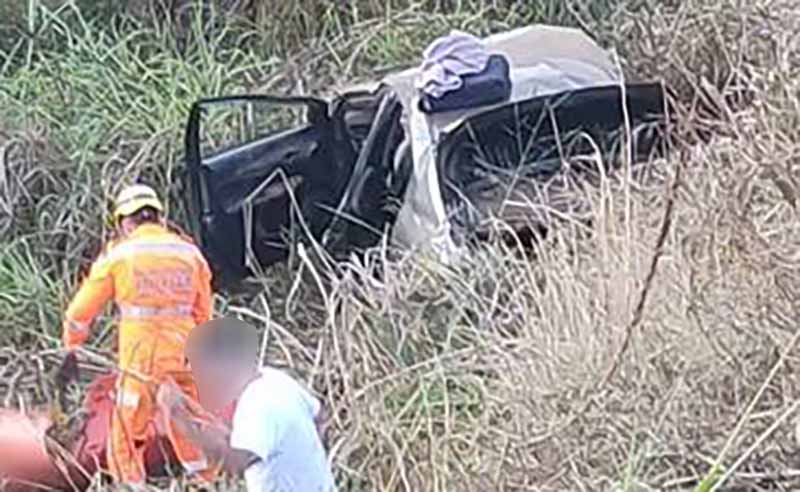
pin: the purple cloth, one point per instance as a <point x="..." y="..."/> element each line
<point x="491" y="86"/>
<point x="449" y="58"/>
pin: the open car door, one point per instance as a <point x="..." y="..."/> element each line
<point x="263" y="172"/>
<point x="266" y="172"/>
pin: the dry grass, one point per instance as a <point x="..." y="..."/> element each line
<point x="505" y="372"/>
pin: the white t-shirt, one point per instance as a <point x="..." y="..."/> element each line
<point x="274" y="419"/>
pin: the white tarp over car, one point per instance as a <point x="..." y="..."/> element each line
<point x="544" y="60"/>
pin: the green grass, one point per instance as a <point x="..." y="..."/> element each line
<point x="30" y="298"/>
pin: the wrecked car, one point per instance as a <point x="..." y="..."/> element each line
<point x="369" y="165"/>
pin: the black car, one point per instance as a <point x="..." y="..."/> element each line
<point x="266" y="172"/>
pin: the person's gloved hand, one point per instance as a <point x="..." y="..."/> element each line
<point x="67" y="371"/>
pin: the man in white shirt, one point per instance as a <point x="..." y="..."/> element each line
<point x="274" y="440"/>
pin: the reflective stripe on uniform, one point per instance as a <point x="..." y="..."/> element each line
<point x="128" y="399"/>
<point x="77" y="327"/>
<point x="154" y="248"/>
<point x="134" y="311"/>
<point x="193" y="467"/>
<point x="126" y="249"/>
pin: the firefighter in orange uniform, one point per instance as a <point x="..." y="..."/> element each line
<point x="161" y="285"/>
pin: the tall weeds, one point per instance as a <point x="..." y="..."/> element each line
<point x="487" y="375"/>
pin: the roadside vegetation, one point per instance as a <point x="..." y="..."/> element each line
<point x="654" y="350"/>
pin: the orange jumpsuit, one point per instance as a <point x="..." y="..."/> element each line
<point x="162" y="287"/>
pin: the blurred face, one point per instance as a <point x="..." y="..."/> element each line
<point x="220" y="380"/>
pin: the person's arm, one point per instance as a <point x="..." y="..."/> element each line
<point x="212" y="439"/>
<point x="95" y="291"/>
<point x="201" y="311"/>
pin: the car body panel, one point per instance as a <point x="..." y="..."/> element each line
<point x="486" y="160"/>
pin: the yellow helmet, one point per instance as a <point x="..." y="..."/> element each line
<point x="134" y="198"/>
